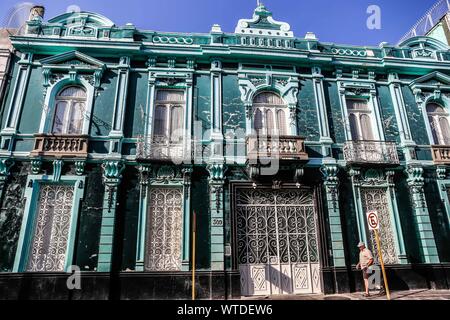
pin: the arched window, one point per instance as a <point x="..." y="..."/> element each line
<point x="168" y="118"/>
<point x="70" y="104"/>
<point x="269" y="114"/>
<point x="360" y="119"/>
<point x="439" y="123"/>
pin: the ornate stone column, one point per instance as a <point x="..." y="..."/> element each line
<point x="408" y="144"/>
<point x="144" y="175"/>
<point x="120" y="102"/>
<point x="216" y="184"/>
<point x="216" y="111"/>
<point x="331" y="183"/>
<point x="16" y="104"/>
<point x="186" y="241"/>
<point x="112" y="175"/>
<point x="324" y="129"/>
<point x="420" y="210"/>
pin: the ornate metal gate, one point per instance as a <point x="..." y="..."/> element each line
<point x="277" y="242"/>
<point x="49" y="244"/>
<point x="164" y="225"/>
<point x="376" y="199"/>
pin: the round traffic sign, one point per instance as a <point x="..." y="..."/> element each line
<point x="372" y="220"/>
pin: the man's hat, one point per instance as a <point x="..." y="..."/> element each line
<point x="361" y="244"/>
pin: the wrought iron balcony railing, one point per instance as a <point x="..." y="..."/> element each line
<point x="371" y="152"/>
<point x="441" y="154"/>
<point x="160" y="148"/>
<point x="60" y="146"/>
<point x="276" y="147"/>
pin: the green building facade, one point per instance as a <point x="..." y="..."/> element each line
<point x="117" y="144"/>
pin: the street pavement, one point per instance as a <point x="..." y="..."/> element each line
<point x="395" y="295"/>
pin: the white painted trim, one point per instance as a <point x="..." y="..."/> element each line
<point x="49" y="106"/>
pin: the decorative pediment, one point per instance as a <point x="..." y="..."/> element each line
<point x="424" y="42"/>
<point x="263" y="23"/>
<point x="424" y="48"/>
<point x="83" y="24"/>
<point x="73" y="59"/>
<point x="433" y="86"/>
<point x="432" y="81"/>
<point x="72" y="63"/>
<point x="82" y="18"/>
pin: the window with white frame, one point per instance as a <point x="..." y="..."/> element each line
<point x="269" y="114"/>
<point x="360" y="120"/>
<point x="70" y="104"/>
<point x="439" y="123"/>
<point x="168" y="117"/>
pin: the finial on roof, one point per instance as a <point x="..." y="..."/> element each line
<point x="263" y="23"/>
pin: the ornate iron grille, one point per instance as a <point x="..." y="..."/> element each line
<point x="165" y="228"/>
<point x="49" y="244"/>
<point x="377" y="152"/>
<point x="376" y="199"/>
<point x="277" y="241"/>
<point x="159" y="148"/>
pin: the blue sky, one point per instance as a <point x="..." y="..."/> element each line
<point x="340" y="21"/>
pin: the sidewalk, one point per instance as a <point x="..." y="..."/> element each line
<point x="396" y="295"/>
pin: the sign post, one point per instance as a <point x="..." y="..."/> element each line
<point x="194" y="231"/>
<point x="374" y="225"/>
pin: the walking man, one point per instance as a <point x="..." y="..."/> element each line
<point x="365" y="261"/>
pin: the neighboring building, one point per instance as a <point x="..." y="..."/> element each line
<point x="294" y="140"/>
<point x="435" y="24"/>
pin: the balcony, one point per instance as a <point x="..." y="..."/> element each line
<point x="441" y="154"/>
<point x="371" y="152"/>
<point x="159" y="148"/>
<point x="286" y="148"/>
<point x="60" y="146"/>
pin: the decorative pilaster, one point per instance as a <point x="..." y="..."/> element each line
<point x="396" y="223"/>
<point x="443" y="182"/>
<point x="116" y="133"/>
<point x="144" y="175"/>
<point x="187" y="141"/>
<point x="216" y="184"/>
<point x="112" y="175"/>
<point x="16" y="104"/>
<point x="408" y="144"/>
<point x="216" y="111"/>
<point x="421" y="214"/>
<point x="331" y="183"/>
<point x="185" y="261"/>
<point x="324" y="130"/>
<point x="360" y="217"/>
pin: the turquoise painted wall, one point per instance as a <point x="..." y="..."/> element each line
<point x="33" y="103"/>
<point x="202" y="102"/>
<point x="388" y="117"/>
<point x="415" y="118"/>
<point x="335" y="119"/>
<point x="136" y="104"/>
<point x="102" y="112"/>
<point x="200" y="204"/>
<point x="128" y="219"/>
<point x="307" y="120"/>
<point x="90" y="220"/>
<point x="233" y="108"/>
